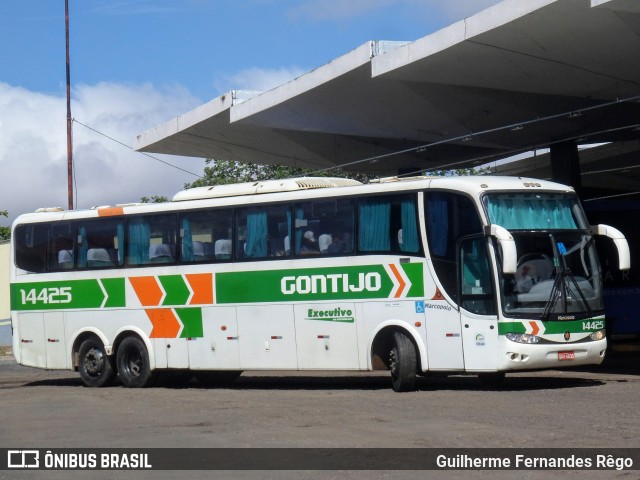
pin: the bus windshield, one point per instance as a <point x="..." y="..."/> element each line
<point x="557" y="277"/>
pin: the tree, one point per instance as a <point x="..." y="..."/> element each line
<point x="5" y="232"/>
<point x="221" y="172"/>
<point x="458" y="172"/>
<point x="154" y="199"/>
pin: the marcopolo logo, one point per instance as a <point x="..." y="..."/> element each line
<point x="334" y="283"/>
<point x="337" y="314"/>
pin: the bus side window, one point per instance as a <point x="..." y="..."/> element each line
<point x="100" y="243"/>
<point x="449" y="217"/>
<point x="323" y="227"/>
<point x="259" y="232"/>
<point x="476" y="288"/>
<point x="152" y="239"/>
<point x="61" y="251"/>
<point x="206" y="236"/>
<point x="31" y="245"/>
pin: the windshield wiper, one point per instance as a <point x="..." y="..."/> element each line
<point x="560" y="287"/>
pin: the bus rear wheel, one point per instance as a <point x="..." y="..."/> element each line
<point x="94" y="364"/>
<point x="133" y="363"/>
<point x="402" y="363"/>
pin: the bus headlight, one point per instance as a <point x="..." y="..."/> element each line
<point x="599" y="335"/>
<point x="522" y="338"/>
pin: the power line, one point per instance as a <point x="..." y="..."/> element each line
<point x="131" y="148"/>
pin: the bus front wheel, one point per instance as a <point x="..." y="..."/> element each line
<point x="133" y="363"/>
<point x="402" y="363"/>
<point x="94" y="365"/>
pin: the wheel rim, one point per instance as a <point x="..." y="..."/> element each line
<point x="94" y="362"/>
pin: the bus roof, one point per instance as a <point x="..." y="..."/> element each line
<point x="289" y="189"/>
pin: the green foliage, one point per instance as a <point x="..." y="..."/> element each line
<point x="154" y="199"/>
<point x="5" y="232"/>
<point x="221" y="172"/>
<point x="460" y="172"/>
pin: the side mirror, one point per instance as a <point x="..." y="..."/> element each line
<point x="508" y="245"/>
<point x="624" y="256"/>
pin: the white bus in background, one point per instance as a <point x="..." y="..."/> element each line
<point x="484" y="275"/>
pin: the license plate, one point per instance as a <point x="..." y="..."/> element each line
<point x="566" y="356"/>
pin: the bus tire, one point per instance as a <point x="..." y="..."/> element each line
<point x="94" y="365"/>
<point x="402" y="363"/>
<point x="217" y="378"/>
<point x="133" y="363"/>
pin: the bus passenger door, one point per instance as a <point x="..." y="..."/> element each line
<point x="478" y="315"/>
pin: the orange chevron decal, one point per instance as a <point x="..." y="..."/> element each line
<point x="165" y="324"/>
<point x="438" y="295"/>
<point x="401" y="281"/>
<point x="534" y="328"/>
<point x="148" y="291"/>
<point x="202" y="286"/>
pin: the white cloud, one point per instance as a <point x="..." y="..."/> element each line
<point x="33" y="146"/>
<point x="261" y="79"/>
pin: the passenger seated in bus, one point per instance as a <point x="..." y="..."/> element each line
<point x="338" y="243"/>
<point x="308" y="244"/>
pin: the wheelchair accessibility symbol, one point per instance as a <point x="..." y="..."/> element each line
<point x="419" y="306"/>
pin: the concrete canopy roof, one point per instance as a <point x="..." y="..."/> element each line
<point x="516" y="76"/>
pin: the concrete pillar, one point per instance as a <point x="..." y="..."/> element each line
<point x="565" y="164"/>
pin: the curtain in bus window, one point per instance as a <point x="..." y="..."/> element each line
<point x="438" y="223"/>
<point x="83" y="248"/>
<point x="531" y="212"/>
<point x="120" y="234"/>
<point x="409" y="227"/>
<point x="374" y="223"/>
<point x="139" y="241"/>
<point x="257" y="233"/>
<point x="187" y="241"/>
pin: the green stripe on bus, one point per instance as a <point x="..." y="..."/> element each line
<point x="305" y="284"/>
<point x="554" y="327"/>
<point x="66" y="294"/>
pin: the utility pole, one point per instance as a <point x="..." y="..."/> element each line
<point x="69" y="142"/>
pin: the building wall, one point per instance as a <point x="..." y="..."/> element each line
<point x="4" y="281"/>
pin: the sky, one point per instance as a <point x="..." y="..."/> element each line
<point x="136" y="64"/>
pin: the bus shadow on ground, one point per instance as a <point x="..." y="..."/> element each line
<point x="356" y="382"/>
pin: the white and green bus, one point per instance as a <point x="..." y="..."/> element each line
<point x="482" y="275"/>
